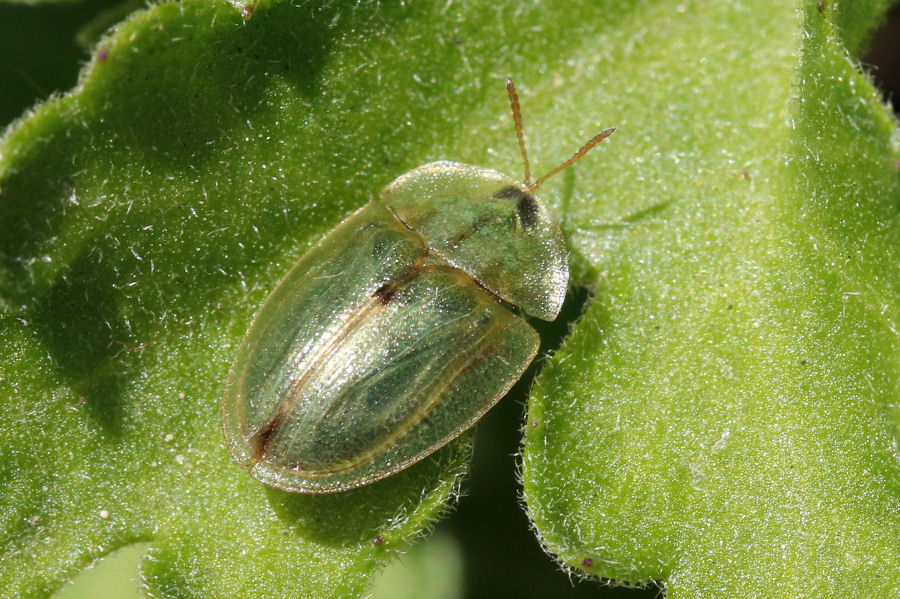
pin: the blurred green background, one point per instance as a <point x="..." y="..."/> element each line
<point x="485" y="548"/>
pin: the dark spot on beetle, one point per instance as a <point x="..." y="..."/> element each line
<point x="587" y="562"/>
<point x="386" y="293"/>
<point x="526" y="205"/>
<point x="510" y="192"/>
<point x="261" y="439"/>
<point x="528" y="211"/>
<point x="389" y="290"/>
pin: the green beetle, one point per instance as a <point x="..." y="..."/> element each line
<point x="399" y="329"/>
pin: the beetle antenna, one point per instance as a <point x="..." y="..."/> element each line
<point x="517" y="118"/>
<point x="575" y="157"/>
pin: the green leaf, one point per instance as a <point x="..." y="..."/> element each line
<point x="723" y="419"/>
<point x="146" y="214"/>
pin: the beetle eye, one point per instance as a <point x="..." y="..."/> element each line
<point x="526" y="206"/>
<point x="527" y="209"/>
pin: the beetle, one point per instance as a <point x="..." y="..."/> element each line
<point x="399" y="329"/>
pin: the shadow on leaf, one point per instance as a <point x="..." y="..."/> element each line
<point x="360" y="515"/>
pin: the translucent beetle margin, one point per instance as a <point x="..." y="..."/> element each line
<point x="395" y="333"/>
